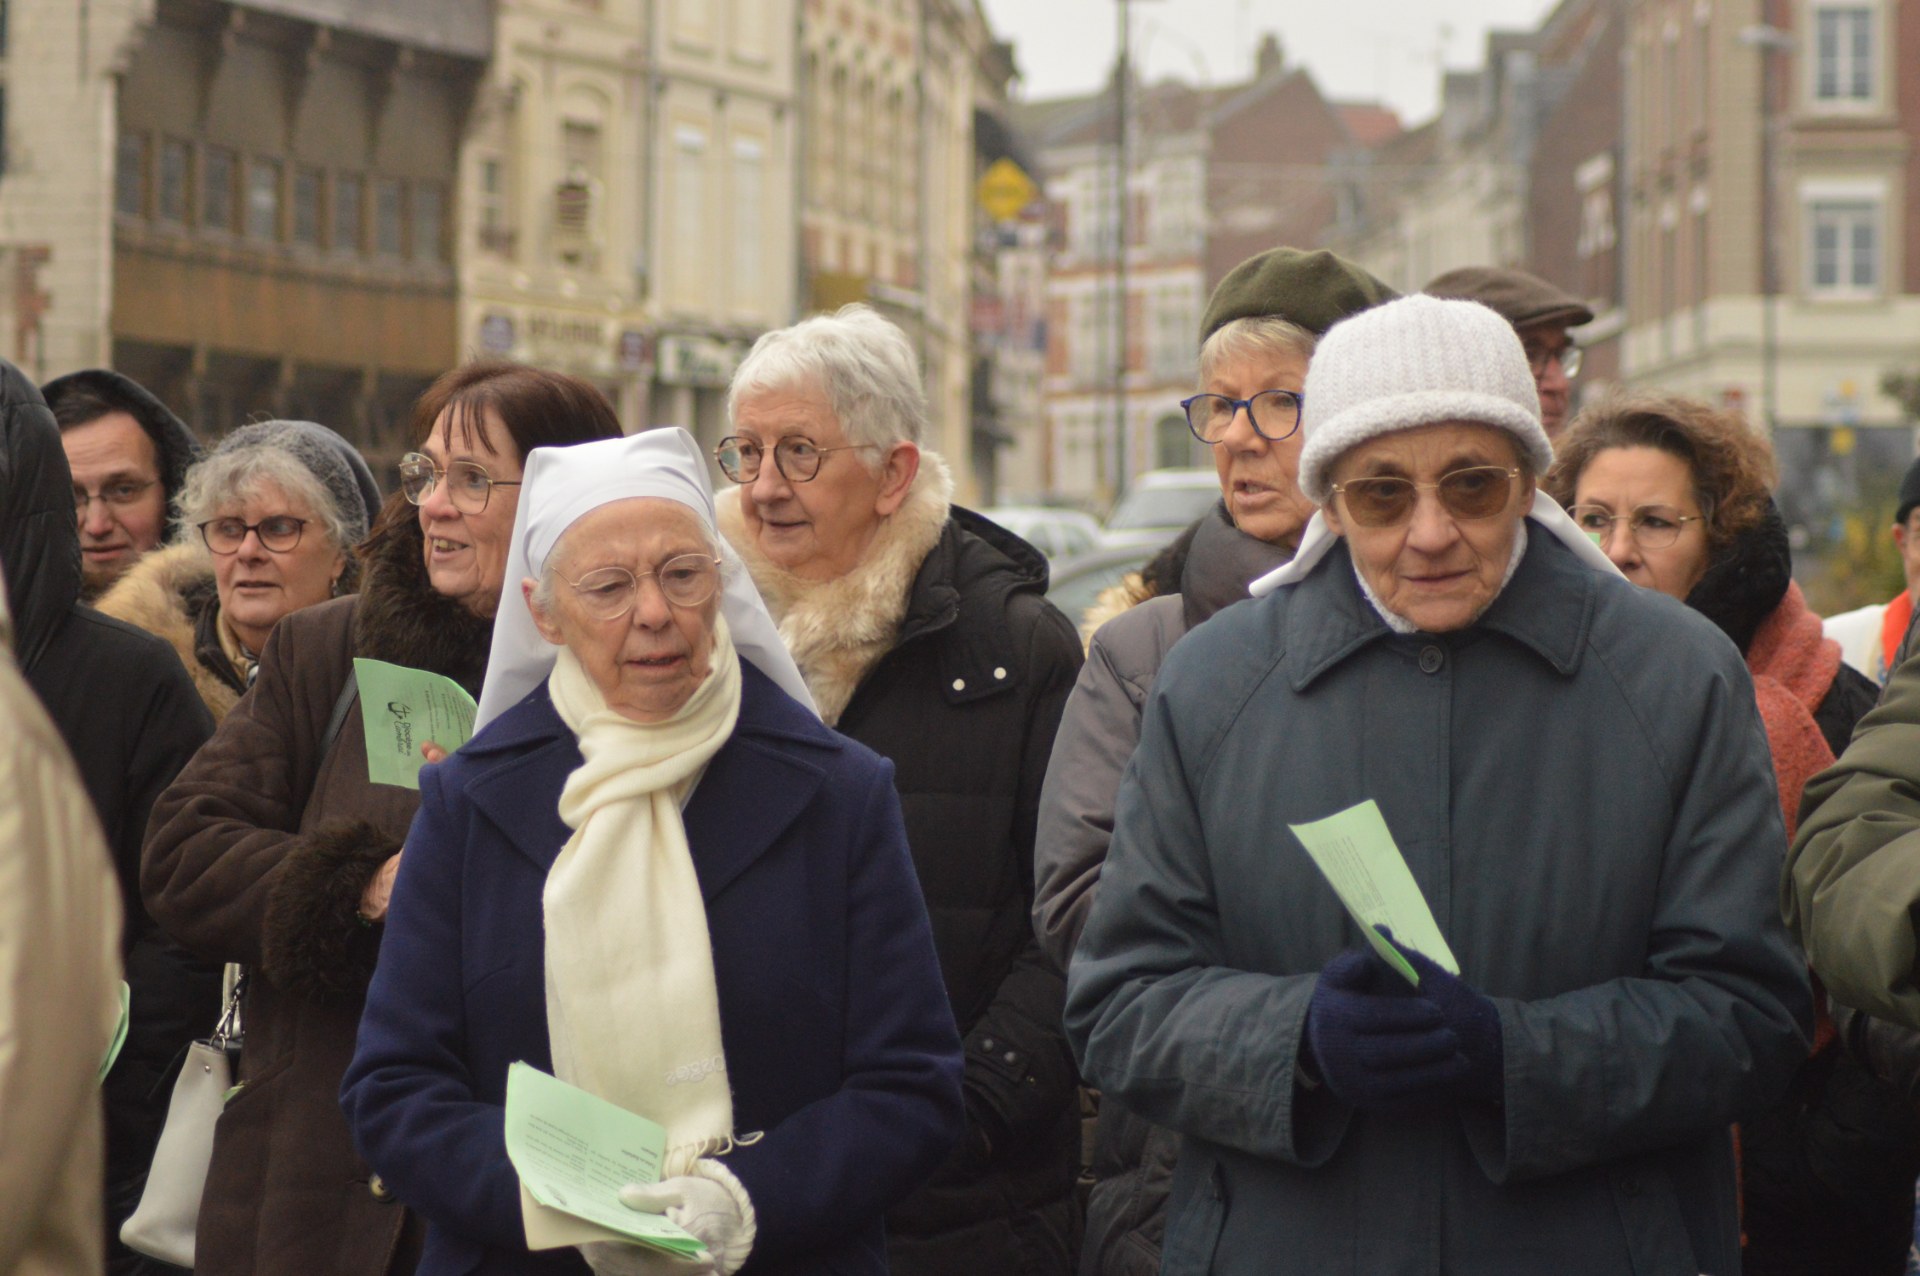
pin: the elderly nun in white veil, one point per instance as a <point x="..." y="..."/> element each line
<point x="656" y="874"/>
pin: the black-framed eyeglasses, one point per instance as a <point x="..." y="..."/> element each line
<point x="1568" y="357"/>
<point x="1274" y="414"/>
<point x="1470" y="494"/>
<point x="469" y="486"/>
<point x="686" y="580"/>
<point x="798" y="459"/>
<point x="279" y="533"/>
<point x="120" y="493"/>
<point x="1651" y="526"/>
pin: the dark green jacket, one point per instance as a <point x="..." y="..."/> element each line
<point x="1581" y="787"/>
<point x="1852" y="886"/>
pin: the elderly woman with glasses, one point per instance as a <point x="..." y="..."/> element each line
<point x="1256" y="338"/>
<point x="656" y="873"/>
<point x="1570" y="773"/>
<point x="1677" y="492"/>
<point x="268" y="524"/>
<point x="276" y="850"/>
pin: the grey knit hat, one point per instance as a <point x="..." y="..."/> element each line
<point x="334" y="461"/>
<point x="1412" y="362"/>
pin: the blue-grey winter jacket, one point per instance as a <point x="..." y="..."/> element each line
<point x="1581" y="786"/>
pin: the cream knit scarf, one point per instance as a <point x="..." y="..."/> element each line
<point x="632" y="1012"/>
<point x="838" y="629"/>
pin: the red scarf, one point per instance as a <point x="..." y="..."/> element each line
<point x="1793" y="665"/>
<point x="1893" y="627"/>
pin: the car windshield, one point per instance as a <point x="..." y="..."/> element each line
<point x="1075" y="589"/>
<point x="1162" y="507"/>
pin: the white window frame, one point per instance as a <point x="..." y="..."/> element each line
<point x="1847" y="63"/>
<point x="1852" y="203"/>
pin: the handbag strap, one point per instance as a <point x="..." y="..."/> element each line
<point x="341" y="708"/>
<point x="229" y="1031"/>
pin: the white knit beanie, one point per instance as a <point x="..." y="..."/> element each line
<point x="1412" y="362"/>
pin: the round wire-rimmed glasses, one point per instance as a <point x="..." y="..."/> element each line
<point x="469" y="486"/>
<point x="686" y="580"/>
<point x="1651" y="526"/>
<point x="797" y="459"/>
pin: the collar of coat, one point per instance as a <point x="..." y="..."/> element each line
<point x="756" y="786"/>
<point x="171" y="594"/>
<point x="401" y="619"/>
<point x="1547" y="608"/>
<point x="838" y="629"/>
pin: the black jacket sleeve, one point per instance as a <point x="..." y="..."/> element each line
<point x="1020" y="1074"/>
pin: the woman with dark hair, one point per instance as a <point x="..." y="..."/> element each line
<point x="1677" y="493"/>
<point x="275" y="850"/>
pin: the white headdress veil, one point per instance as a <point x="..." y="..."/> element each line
<point x="563" y="484"/>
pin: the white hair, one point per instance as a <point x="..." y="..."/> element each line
<point x="1254" y="336"/>
<point x="862" y="363"/>
<point x="230" y="476"/>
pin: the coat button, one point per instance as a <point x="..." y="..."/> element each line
<point x="1431" y="658"/>
<point x="1011" y="1057"/>
<point x="381" y="1192"/>
<point x="1000" y="673"/>
<point x="987" y="1044"/>
<point x="959" y="684"/>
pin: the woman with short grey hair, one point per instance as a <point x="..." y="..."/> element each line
<point x="267" y="526"/>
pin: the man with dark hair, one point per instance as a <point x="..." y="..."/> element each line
<point x="130" y="716"/>
<point x="1541" y="314"/>
<point x="129" y="456"/>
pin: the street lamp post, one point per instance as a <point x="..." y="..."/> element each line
<point x="1769" y="40"/>
<point x="1116" y="462"/>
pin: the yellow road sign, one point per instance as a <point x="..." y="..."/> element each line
<point x="1005" y="189"/>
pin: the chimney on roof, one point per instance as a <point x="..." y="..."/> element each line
<point x="1267" y="60"/>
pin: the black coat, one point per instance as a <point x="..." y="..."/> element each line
<point x="965" y="705"/>
<point x="129" y="712"/>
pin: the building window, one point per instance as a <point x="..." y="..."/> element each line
<point x="1843" y="247"/>
<point x="1172" y="443"/>
<point x="216" y="189"/>
<point x="1843" y="54"/>
<point x="389" y="217"/>
<point x="263" y="199"/>
<point x="689" y="239"/>
<point x="176" y="166"/>
<point x="429" y="221"/>
<point x="346" y="212"/>
<point x="307" y="187"/>
<point x="749" y="222"/>
<point x="130" y="175"/>
<point x="495" y="235"/>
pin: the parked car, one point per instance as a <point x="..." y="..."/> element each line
<point x="1057" y="533"/>
<point x="1159" y="506"/>
<point x="1074" y="583"/>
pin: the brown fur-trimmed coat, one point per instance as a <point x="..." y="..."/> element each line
<point x="170" y="593"/>
<point x="259" y="853"/>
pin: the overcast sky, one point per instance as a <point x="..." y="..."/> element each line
<point x="1383" y="50"/>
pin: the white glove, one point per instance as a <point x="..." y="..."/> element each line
<point x="710" y="1203"/>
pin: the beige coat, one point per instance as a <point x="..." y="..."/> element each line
<point x="59" y="981"/>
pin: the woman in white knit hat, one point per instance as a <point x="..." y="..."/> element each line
<point x="1574" y="775"/>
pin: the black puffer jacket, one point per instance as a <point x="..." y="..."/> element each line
<point x="130" y="714"/>
<point x="965" y="705"/>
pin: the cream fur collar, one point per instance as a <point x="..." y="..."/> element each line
<point x="838" y="629"/>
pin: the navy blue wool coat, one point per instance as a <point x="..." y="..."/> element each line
<point x="840" y="1042"/>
